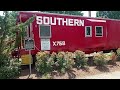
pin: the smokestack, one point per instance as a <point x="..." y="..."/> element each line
<point x="89" y="13"/>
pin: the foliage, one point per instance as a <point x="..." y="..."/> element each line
<point x="64" y="61"/>
<point x="118" y="51"/>
<point x="109" y="14"/>
<point x="69" y="57"/>
<point x="80" y="60"/>
<point x="8" y="29"/>
<point x="44" y="62"/>
<point x="4" y="60"/>
<point x="47" y="76"/>
<point x="66" y="12"/>
<point x="99" y="59"/>
<point x="11" y="71"/>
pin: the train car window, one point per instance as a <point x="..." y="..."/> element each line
<point x="45" y="31"/>
<point x="88" y="31"/>
<point x="99" y="31"/>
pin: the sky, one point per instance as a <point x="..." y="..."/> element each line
<point x="93" y="13"/>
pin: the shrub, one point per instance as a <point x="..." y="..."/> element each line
<point x="65" y="61"/>
<point x="99" y="59"/>
<point x="69" y="58"/>
<point x="61" y="62"/>
<point x="44" y="63"/>
<point x="9" y="68"/>
<point x="4" y="60"/>
<point x="118" y="51"/>
<point x="118" y="54"/>
<point x="47" y="76"/>
<point x="111" y="57"/>
<point x="80" y="60"/>
<point x="9" y="72"/>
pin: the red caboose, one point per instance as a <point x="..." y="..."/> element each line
<point x="58" y="32"/>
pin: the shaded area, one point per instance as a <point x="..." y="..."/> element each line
<point x="103" y="68"/>
<point x="71" y="75"/>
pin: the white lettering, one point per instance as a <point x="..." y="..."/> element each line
<point x="81" y="22"/>
<point x="64" y="21"/>
<point x="46" y="20"/>
<point x="54" y="43"/>
<point x="53" y="22"/>
<point x="39" y="19"/>
<point x="58" y="43"/>
<point x="59" y="21"/>
<point x="76" y="22"/>
<point x="70" y="22"/>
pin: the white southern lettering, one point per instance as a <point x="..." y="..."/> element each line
<point x="53" y="22"/>
<point x="70" y="22"/>
<point x="64" y="21"/>
<point x="46" y="20"/>
<point x="76" y="22"/>
<point x="39" y="19"/>
<point x="59" y="21"/>
<point x="81" y="22"/>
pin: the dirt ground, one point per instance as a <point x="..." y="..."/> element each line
<point x="74" y="73"/>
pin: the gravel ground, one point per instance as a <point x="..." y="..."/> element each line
<point x="110" y="75"/>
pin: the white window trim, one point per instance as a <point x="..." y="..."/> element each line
<point x="95" y="31"/>
<point x="45" y="36"/>
<point x="86" y="31"/>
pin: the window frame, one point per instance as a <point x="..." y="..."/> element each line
<point x="96" y="33"/>
<point x="44" y="36"/>
<point x="86" y="31"/>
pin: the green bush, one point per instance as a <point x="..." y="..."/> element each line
<point x="47" y="76"/>
<point x="99" y="59"/>
<point x="9" y="72"/>
<point x="4" y="60"/>
<point x="65" y="61"/>
<point x="44" y="63"/>
<point x="118" y="52"/>
<point x="9" y="68"/>
<point x="80" y="60"/>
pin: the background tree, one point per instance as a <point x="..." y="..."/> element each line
<point x="108" y="14"/>
<point x="66" y="12"/>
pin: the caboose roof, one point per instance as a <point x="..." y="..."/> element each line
<point x="36" y="12"/>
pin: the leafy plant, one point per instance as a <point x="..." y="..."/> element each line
<point x="80" y="60"/>
<point x="69" y="58"/>
<point x="118" y="54"/>
<point x="4" y="60"/>
<point x="61" y="62"/>
<point x="47" y="76"/>
<point x="65" y="61"/>
<point x="9" y="72"/>
<point x="99" y="59"/>
<point x="44" y="63"/>
<point x="112" y="58"/>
